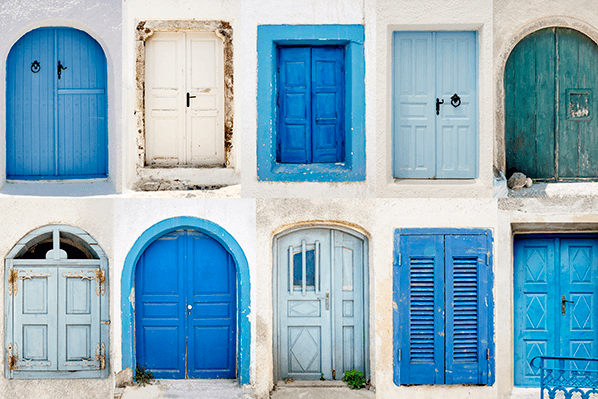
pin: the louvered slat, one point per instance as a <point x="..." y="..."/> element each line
<point x="465" y="307"/>
<point x="421" y="310"/>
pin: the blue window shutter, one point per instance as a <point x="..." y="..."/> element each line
<point x="467" y="309"/>
<point x="421" y="309"/>
<point x="78" y="319"/>
<point x="35" y="319"/>
<point x="456" y="127"/>
<point x="414" y="116"/>
<point x="294" y="91"/>
<point x="327" y="104"/>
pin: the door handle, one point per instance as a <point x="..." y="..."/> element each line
<point x="189" y="97"/>
<point x="564" y="304"/>
<point x="60" y="69"/>
<point x="438" y="102"/>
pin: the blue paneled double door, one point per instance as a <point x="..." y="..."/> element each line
<point x="556" y="297"/>
<point x="56" y="106"/>
<point x="185" y="308"/>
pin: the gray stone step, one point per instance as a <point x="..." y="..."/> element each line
<point x="190" y="389"/>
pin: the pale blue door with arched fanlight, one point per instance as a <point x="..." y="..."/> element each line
<point x="56" y="109"/>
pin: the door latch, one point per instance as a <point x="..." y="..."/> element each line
<point x="60" y="69"/>
<point x="455" y="100"/>
<point x="189" y="97"/>
<point x="564" y="304"/>
<point x="438" y="102"/>
<point x="327" y="301"/>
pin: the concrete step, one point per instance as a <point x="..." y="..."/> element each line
<point x="190" y="389"/>
<point x="319" y="390"/>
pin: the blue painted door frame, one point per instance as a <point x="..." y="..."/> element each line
<point x="548" y="269"/>
<point x="56" y="110"/>
<point x="242" y="276"/>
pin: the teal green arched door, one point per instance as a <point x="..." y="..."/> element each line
<point x="550" y="110"/>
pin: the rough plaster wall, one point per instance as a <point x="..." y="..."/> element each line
<point x="254" y="13"/>
<point x="23" y="215"/>
<point x="135" y="215"/>
<point x="275" y="216"/>
<point x="102" y="20"/>
<point x="513" y="20"/>
<point x="433" y="15"/>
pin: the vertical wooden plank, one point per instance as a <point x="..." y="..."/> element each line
<point x="165" y="98"/>
<point x="205" y="115"/>
<point x="421" y="302"/>
<point x="456" y="127"/>
<point x="534" y="302"/>
<point x="327" y="67"/>
<point x="294" y="102"/>
<point x="414" y="105"/>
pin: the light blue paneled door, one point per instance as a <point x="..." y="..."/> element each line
<point x="56" y="106"/>
<point x="550" y="271"/>
<point x="320" y="304"/>
<point x="435" y="105"/>
<point x="186" y="311"/>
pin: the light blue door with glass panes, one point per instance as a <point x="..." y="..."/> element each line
<point x="320" y="304"/>
<point x="556" y="297"/>
<point x="434" y="105"/>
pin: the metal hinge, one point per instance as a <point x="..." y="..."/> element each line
<point x="13" y="355"/>
<point x="487" y="354"/>
<point x="333" y="374"/>
<point x="399" y="259"/>
<point x="399" y="355"/>
<point x="101" y="277"/>
<point x="101" y="356"/>
<point x="488" y="258"/>
<point x="12" y="281"/>
<point x="106" y="322"/>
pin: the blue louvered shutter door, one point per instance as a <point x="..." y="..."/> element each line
<point x="35" y="320"/>
<point x="78" y="319"/>
<point x="82" y="130"/>
<point x="466" y="309"/>
<point x="421" y="310"/>
<point x="294" y="97"/>
<point x="327" y="104"/>
<point x="30" y="106"/>
<point x="456" y="127"/>
<point x="414" y="119"/>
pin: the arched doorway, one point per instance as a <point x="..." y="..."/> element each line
<point x="173" y="247"/>
<point x="56" y="108"/>
<point x="57" y="306"/>
<point x="321" y="303"/>
<point x="550" y="111"/>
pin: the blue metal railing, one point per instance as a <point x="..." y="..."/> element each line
<point x="568" y="375"/>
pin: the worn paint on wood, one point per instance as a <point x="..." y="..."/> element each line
<point x="550" y="112"/>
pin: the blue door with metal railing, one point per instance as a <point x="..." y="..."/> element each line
<point x="556" y="297"/>
<point x="56" y="124"/>
<point x="185" y="287"/>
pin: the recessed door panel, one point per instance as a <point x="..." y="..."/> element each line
<point x="186" y="307"/>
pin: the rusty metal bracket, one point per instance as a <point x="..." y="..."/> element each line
<point x="101" y="277"/>
<point x="12" y="281"/>
<point x="101" y="356"/>
<point x="13" y="355"/>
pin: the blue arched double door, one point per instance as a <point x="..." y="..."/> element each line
<point x="185" y="307"/>
<point x="56" y="106"/>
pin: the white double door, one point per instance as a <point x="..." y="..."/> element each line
<point x="184" y="99"/>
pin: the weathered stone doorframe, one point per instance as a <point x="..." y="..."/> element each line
<point x="143" y="31"/>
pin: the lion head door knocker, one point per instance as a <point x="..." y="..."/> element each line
<point x="455" y="100"/>
<point x="35" y="67"/>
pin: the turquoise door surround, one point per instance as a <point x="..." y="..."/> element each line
<point x="224" y="238"/>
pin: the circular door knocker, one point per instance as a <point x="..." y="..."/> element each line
<point x="35" y="67"/>
<point x="455" y="100"/>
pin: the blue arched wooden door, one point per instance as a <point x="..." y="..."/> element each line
<point x="56" y="106"/>
<point x="185" y="307"/>
<point x="550" y="109"/>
